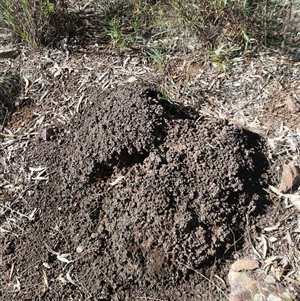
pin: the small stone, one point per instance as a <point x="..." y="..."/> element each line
<point x="131" y="79"/>
<point x="270" y="279"/>
<point x="94" y="235"/>
<point x="292" y="105"/>
<point x="245" y="264"/>
<point x="100" y="229"/>
<point x="79" y="249"/>
<point x="46" y="265"/>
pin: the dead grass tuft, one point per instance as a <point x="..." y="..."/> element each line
<point x="35" y="22"/>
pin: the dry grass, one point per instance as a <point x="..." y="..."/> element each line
<point x="35" y="22"/>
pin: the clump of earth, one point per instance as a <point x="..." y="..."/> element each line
<point x="140" y="196"/>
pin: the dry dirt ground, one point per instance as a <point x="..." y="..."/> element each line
<point x="112" y="192"/>
<point x="140" y="195"/>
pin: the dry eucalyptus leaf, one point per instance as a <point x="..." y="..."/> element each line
<point x="276" y="143"/>
<point x="288" y="238"/>
<point x="70" y="278"/>
<point x="265" y="246"/>
<point x="116" y="181"/>
<point x="63" y="258"/>
<point x="296" y="203"/>
<point x="45" y="280"/>
<point x="62" y="279"/>
<point x="290" y="175"/>
<point x="273" y="228"/>
<point x="269" y="261"/>
<point x="272" y="239"/>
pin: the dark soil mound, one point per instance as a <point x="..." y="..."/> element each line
<point x="139" y="199"/>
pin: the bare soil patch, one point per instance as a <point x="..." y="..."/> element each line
<point x="141" y="198"/>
